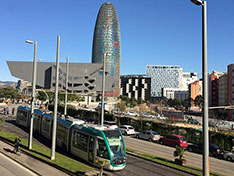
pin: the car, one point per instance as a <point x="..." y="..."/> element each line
<point x="229" y="156"/>
<point x="127" y="130"/>
<point x="132" y="113"/>
<point x="147" y="115"/>
<point x="193" y="121"/>
<point x="174" y="140"/>
<point x="148" y="135"/>
<point x="214" y="150"/>
<point x="110" y="124"/>
<point x="118" y="112"/>
<point x="90" y="120"/>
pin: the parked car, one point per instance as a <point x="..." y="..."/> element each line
<point x="111" y="124"/>
<point x="148" y="115"/>
<point x="127" y="130"/>
<point x="132" y="113"/>
<point x="118" y="112"/>
<point x="174" y="140"/>
<point x="229" y="156"/>
<point x="148" y="135"/>
<point x="90" y="120"/>
<point x="214" y="150"/>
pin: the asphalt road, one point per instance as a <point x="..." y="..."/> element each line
<point x="193" y="159"/>
<point x="8" y="167"/>
<point x="139" y="167"/>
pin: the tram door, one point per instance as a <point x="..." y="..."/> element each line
<point x="91" y="149"/>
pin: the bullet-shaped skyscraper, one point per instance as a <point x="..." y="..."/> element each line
<point x="107" y="40"/>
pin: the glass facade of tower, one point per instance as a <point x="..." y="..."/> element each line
<point x="107" y="40"/>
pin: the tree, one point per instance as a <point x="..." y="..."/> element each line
<point x="173" y="102"/>
<point x="187" y="102"/>
<point x="8" y="92"/>
<point x="122" y="105"/>
<point x="133" y="102"/>
<point x="139" y="101"/>
<point x="198" y="101"/>
<point x="180" y="153"/>
<point x="61" y="96"/>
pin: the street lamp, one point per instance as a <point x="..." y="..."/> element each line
<point x="103" y="85"/>
<point x="67" y="69"/>
<point x="205" y="155"/>
<point x="33" y="91"/>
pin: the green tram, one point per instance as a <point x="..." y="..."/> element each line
<point x="90" y="142"/>
<point x="93" y="142"/>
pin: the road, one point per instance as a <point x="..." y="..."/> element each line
<point x="9" y="167"/>
<point x="138" y="167"/>
<point x="193" y="159"/>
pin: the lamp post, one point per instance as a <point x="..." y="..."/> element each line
<point x="103" y="86"/>
<point x="33" y="91"/>
<point x="205" y="155"/>
<point x="65" y="105"/>
<point x="53" y="145"/>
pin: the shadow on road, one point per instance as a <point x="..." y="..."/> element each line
<point x="8" y="150"/>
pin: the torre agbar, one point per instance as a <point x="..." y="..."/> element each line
<point x="107" y="40"/>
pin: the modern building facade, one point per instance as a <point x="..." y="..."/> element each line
<point x="106" y="40"/>
<point x="24" y="87"/>
<point x="175" y="93"/>
<point x="195" y="89"/>
<point x="223" y="97"/>
<point x="136" y="86"/>
<point x="214" y="88"/>
<point x="230" y="79"/>
<point x="84" y="78"/>
<point x="163" y="76"/>
<point x="188" y="78"/>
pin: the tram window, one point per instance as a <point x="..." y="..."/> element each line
<point x="102" y="150"/>
<point x="80" y="141"/>
<point x="46" y="125"/>
<point x="22" y="115"/>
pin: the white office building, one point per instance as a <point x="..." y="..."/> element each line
<point x="164" y="76"/>
<point x="188" y="78"/>
<point x="175" y="93"/>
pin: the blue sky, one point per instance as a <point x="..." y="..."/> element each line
<point x="157" y="32"/>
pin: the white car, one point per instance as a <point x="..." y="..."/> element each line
<point x="132" y="113"/>
<point x="148" y="115"/>
<point x="127" y="130"/>
<point x="229" y="156"/>
<point x="111" y="124"/>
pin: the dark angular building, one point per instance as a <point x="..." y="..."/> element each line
<point x="107" y="40"/>
<point x="83" y="79"/>
<point x="136" y="86"/>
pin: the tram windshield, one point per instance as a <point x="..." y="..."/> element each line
<point x="116" y="143"/>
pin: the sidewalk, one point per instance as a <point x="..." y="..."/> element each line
<point x="32" y="164"/>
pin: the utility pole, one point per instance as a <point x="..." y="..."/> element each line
<point x="56" y="102"/>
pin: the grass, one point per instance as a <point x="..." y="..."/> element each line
<point x="42" y="153"/>
<point x="170" y="163"/>
<point x="1" y="120"/>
